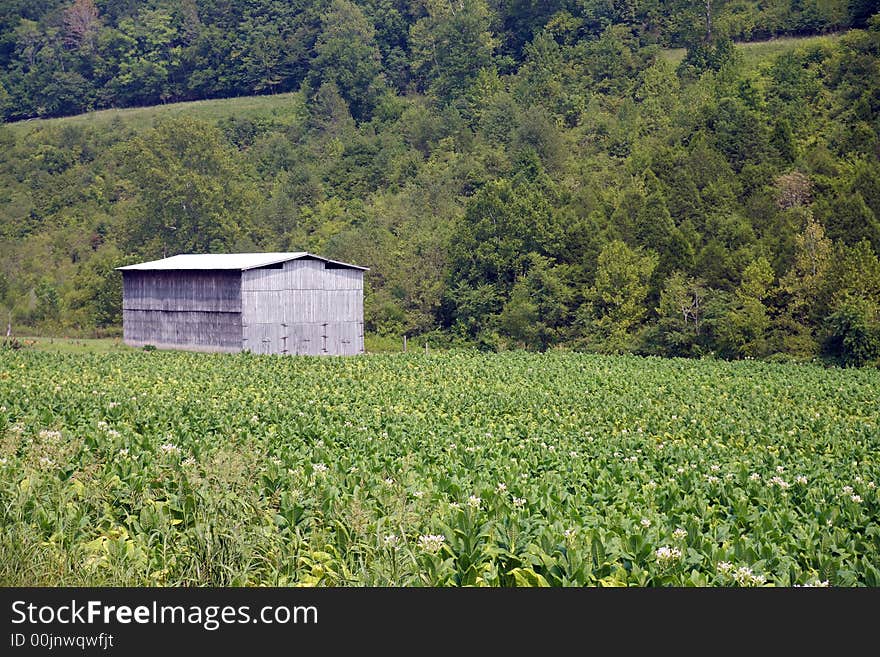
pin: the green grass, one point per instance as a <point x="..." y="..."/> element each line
<point x="756" y="53"/>
<point x="673" y="55"/>
<point x="74" y="345"/>
<point x="281" y="108"/>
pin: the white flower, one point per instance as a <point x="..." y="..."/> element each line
<point x="666" y="555"/>
<point x="778" y="481"/>
<point x="847" y="490"/>
<point x="48" y="433"/>
<point x="431" y="543"/>
<point x="123" y="451"/>
<point x="113" y="432"/>
<point x="519" y="502"/>
<point x="501" y="487"/>
<point x="780" y="469"/>
<point x="418" y="494"/>
<point x="680" y="470"/>
<point x="254" y="419"/>
<point x="170" y="448"/>
<point x="569" y="533"/>
<point x="46" y="462"/>
<point x="3" y="461"/>
<point x="188" y="461"/>
<point x="573" y="454"/>
<point x="474" y="502"/>
<point x="644" y="522"/>
<point x="712" y="479"/>
<point x="113" y="404"/>
<point x="454" y="505"/>
<point x="745" y="577"/>
<point x="815" y="584"/>
<point x="714" y="467"/>
<point x="391" y="540"/>
<point x="651" y="484"/>
<point x="856" y="498"/>
<point x="319" y="467"/>
<point x="872" y="485"/>
<point x="755" y="476"/>
<point x="389" y="481"/>
<point x="102" y="424"/>
<point x="724" y="566"/>
<point x="800" y="479"/>
<point x="679" y="534"/>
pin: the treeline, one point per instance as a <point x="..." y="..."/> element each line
<point x="63" y="57"/>
<point x="598" y="196"/>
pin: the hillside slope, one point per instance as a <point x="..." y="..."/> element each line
<point x="595" y="196"/>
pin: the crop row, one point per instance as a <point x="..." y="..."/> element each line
<point x="158" y="468"/>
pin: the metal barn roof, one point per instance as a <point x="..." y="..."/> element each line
<point x="233" y="261"/>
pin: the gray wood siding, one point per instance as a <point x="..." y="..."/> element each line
<point x="302" y="274"/>
<point x="294" y="306"/>
<point x="311" y="339"/>
<point x="303" y="308"/>
<point x="188" y="329"/>
<point x="207" y="291"/>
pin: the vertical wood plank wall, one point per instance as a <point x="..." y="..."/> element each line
<point x="196" y="310"/>
<point x="304" y="307"/>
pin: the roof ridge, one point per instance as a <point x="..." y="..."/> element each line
<point x="229" y="261"/>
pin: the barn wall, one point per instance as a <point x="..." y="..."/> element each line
<point x="193" y="330"/>
<point x="303" y="308"/>
<point x="182" y="309"/>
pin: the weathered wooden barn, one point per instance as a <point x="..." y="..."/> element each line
<point x="267" y="303"/>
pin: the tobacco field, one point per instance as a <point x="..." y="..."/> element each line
<point x="446" y="469"/>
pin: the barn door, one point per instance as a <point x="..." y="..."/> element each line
<point x="257" y="338"/>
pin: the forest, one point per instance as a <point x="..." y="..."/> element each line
<point x="625" y="176"/>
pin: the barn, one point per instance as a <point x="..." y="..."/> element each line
<point x="266" y="303"/>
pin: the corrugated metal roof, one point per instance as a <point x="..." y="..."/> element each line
<point x="233" y="261"/>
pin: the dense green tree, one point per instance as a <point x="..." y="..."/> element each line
<point x="681" y="314"/>
<point x="537" y="311"/>
<point x="854" y="332"/>
<point x="743" y="330"/>
<point x="616" y="301"/>
<point x="450" y="46"/>
<point x="503" y="223"/>
<point x="346" y="54"/>
<point x="189" y="197"/>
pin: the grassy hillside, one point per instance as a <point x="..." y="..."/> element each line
<point x="756" y="53"/>
<point x="279" y="108"/>
<point x="578" y="199"/>
<point x="286" y="108"/>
